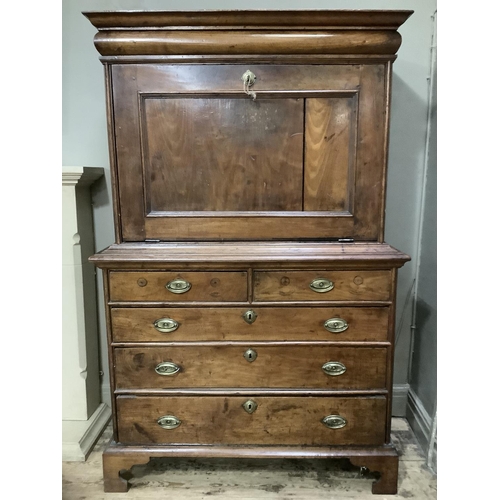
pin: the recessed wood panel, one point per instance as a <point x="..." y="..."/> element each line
<point x="330" y="141"/>
<point x="227" y="323"/>
<point x="223" y="154"/>
<point x="290" y="366"/>
<point x="277" y="420"/>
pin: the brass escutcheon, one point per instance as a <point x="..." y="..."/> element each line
<point x="178" y="286"/>
<point x="166" y="325"/>
<point x="167" y="368"/>
<point x="321" y="285"/>
<point x="334" y="368"/>
<point x="249" y="316"/>
<point x="250" y="406"/>
<point x="169" y="422"/>
<point x="336" y="325"/>
<point x="334" y="421"/>
<point x="250" y="355"/>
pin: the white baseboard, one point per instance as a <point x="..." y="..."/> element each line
<point x="106" y="394"/>
<point x="79" y="436"/>
<point x="421" y="423"/>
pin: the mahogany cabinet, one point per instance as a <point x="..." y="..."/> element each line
<point x="250" y="295"/>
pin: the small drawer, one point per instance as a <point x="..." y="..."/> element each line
<point x="243" y="323"/>
<point x="178" y="287"/>
<point x="278" y="366"/>
<point x="256" y="420"/>
<point x="322" y="285"/>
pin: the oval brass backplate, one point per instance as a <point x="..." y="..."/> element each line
<point x="178" y="286"/>
<point x="250" y="406"/>
<point x="250" y="355"/>
<point x="334" y="368"/>
<point x="321" y="285"/>
<point x="336" y="325"/>
<point x="334" y="421"/>
<point x="167" y="368"/>
<point x="249" y="316"/>
<point x="169" y="422"/>
<point x="166" y="325"/>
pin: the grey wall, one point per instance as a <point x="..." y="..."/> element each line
<point x="85" y="143"/>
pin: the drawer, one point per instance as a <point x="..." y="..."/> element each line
<point x="274" y="420"/>
<point x="287" y="366"/>
<point x="321" y="285"/>
<point x="178" y="287"/>
<point x="262" y="323"/>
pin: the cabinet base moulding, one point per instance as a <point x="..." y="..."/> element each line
<point x="119" y="459"/>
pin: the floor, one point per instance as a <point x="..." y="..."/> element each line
<point x="222" y="479"/>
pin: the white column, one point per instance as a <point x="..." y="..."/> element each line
<point x="83" y="414"/>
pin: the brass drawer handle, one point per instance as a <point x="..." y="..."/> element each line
<point x="321" y="285"/>
<point x="334" y="368"/>
<point x="250" y="316"/>
<point x="167" y="368"/>
<point x="166" y="325"/>
<point x="178" y="286"/>
<point x="334" y="421"/>
<point x="169" y="422"/>
<point x="336" y="325"/>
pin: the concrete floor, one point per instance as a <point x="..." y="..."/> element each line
<point x="224" y="479"/>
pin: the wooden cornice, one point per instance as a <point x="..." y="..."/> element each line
<point x="124" y="35"/>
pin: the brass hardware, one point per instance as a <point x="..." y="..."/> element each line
<point x="336" y="325"/>
<point x="166" y="325"/>
<point x="167" y="368"/>
<point x="248" y="80"/>
<point x="169" y="422"/>
<point x="250" y="406"/>
<point x="250" y="355"/>
<point x="178" y="286"/>
<point x="321" y="285"/>
<point x="334" y="421"/>
<point x="250" y="316"/>
<point x="334" y="368"/>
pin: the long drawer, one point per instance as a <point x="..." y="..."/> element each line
<point x="270" y="366"/>
<point x="256" y="323"/>
<point x="235" y="420"/>
<point x="206" y="286"/>
<point x="322" y="285"/>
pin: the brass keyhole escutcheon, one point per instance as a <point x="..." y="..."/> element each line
<point x="250" y="316"/>
<point x="250" y="406"/>
<point x="250" y="355"/>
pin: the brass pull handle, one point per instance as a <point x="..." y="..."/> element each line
<point x="250" y="316"/>
<point x="250" y="406"/>
<point x="178" y="286"/>
<point x="167" y="368"/>
<point x="166" y="325"/>
<point x="334" y="368"/>
<point x="334" y="421"/>
<point x="169" y="422"/>
<point x="248" y="80"/>
<point x="250" y="355"/>
<point x="336" y="325"/>
<point x="321" y="285"/>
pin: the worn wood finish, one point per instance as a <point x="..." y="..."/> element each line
<point x="387" y="467"/>
<point x="222" y="420"/>
<point x="223" y="154"/>
<point x="274" y="366"/>
<point x="329" y="153"/>
<point x="348" y="285"/>
<point x="227" y="323"/>
<point x="205" y="286"/>
<point x="316" y="255"/>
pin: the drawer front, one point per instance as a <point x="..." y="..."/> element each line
<point x="178" y="287"/>
<point x="261" y="323"/>
<point x="321" y="285"/>
<point x="287" y="366"/>
<point x="274" y="420"/>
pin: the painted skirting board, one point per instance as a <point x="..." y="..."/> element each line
<point x="79" y="436"/>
